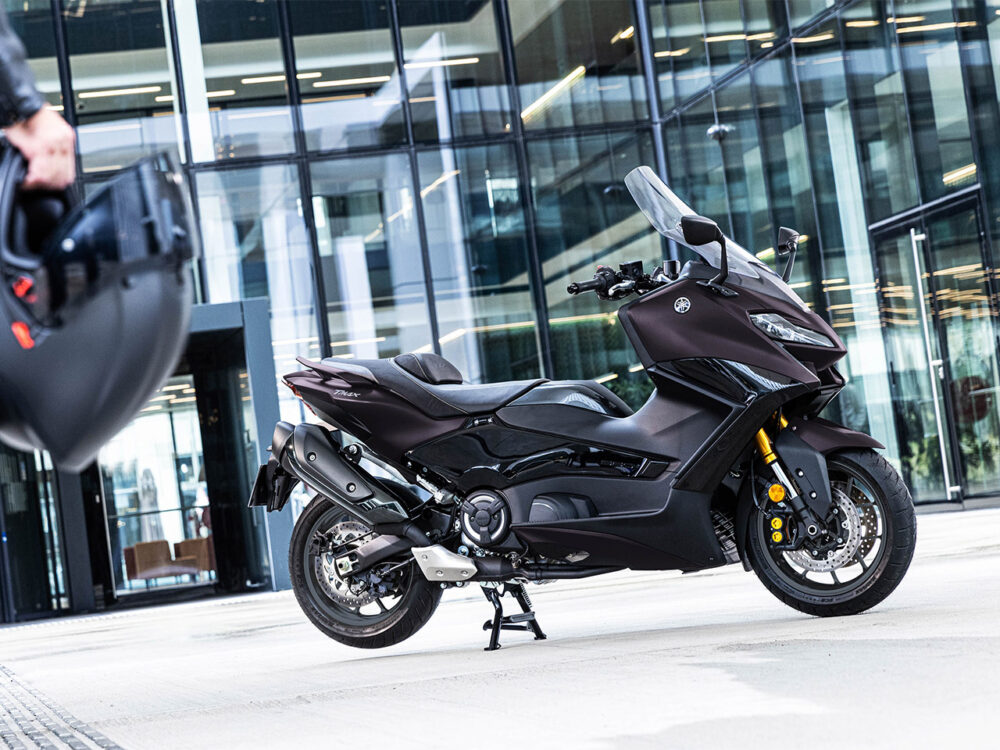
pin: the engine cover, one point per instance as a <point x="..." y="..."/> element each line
<point x="485" y="518"/>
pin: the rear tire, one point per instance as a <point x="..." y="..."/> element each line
<point x="875" y="491"/>
<point x="409" y="611"/>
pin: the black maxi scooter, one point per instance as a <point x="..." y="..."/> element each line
<point x="433" y="483"/>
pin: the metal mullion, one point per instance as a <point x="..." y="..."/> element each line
<point x="304" y="174"/>
<point x="648" y="63"/>
<point x="65" y="77"/>
<point x="395" y="32"/>
<point x="180" y="96"/>
<point x="536" y="272"/>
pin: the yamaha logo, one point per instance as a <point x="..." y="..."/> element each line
<point x="682" y="305"/>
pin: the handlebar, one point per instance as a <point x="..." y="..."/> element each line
<point x="578" y="287"/>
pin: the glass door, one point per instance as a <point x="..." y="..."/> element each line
<point x="937" y="313"/>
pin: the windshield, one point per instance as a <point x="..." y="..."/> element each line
<point x="664" y="210"/>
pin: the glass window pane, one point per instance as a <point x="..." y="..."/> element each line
<point x="31" y="20"/>
<point x="694" y="162"/>
<point x="234" y="80"/>
<point x="577" y="62"/>
<point x="346" y="74"/>
<point x="848" y="283"/>
<point x="255" y="245"/>
<point x="744" y="160"/>
<point x="157" y="496"/>
<point x="787" y="163"/>
<point x="454" y="70"/>
<point x="369" y="247"/>
<point x="766" y="23"/>
<point x="724" y="35"/>
<point x="586" y="217"/>
<point x="876" y="88"/>
<point x="803" y="11"/>
<point x="938" y="112"/>
<point x="679" y="50"/>
<point x="479" y="262"/>
<point x="123" y="82"/>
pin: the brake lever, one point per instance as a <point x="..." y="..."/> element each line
<point x="621" y="287"/>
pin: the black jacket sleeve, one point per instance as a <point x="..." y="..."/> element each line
<point x="19" y="99"/>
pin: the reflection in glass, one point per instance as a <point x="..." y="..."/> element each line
<point x="478" y="251"/>
<point x="234" y="79"/>
<point x="966" y="319"/>
<point x="157" y="499"/>
<point x="31" y="20"/>
<point x="454" y="70"/>
<point x="123" y="82"/>
<point x="376" y="301"/>
<point x="255" y="245"/>
<point x="724" y="36"/>
<point x="694" y="163"/>
<point x="577" y="62"/>
<point x="938" y="113"/>
<point x="34" y="582"/>
<point x="744" y="162"/>
<point x="848" y="279"/>
<point x="787" y="164"/>
<point x="913" y="394"/>
<point x="679" y="50"/>
<point x="876" y="89"/>
<point x="586" y="217"/>
<point x="346" y="74"/>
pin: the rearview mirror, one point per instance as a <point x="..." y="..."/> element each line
<point x="699" y="230"/>
<point x="788" y="240"/>
<point x="788" y="243"/>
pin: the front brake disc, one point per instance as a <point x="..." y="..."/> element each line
<point x="850" y="531"/>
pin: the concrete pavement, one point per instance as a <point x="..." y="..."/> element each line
<point x="633" y="660"/>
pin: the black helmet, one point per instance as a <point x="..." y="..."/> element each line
<point x="95" y="304"/>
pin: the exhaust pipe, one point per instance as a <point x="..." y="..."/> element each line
<point x="306" y="453"/>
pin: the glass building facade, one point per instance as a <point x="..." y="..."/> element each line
<point x="428" y="175"/>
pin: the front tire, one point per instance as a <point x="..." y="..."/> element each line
<point x="865" y="569"/>
<point x="350" y="611"/>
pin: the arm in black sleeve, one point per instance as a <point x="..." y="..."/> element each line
<point x="19" y="99"/>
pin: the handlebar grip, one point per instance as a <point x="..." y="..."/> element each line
<point x="585" y="286"/>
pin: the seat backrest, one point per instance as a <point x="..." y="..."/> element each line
<point x="199" y="548"/>
<point x="151" y="556"/>
<point x="430" y="368"/>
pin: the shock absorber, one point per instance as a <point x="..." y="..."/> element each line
<point x="795" y="500"/>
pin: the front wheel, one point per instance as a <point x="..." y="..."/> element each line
<point x="877" y="533"/>
<point x="377" y="608"/>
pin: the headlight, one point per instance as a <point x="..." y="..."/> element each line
<point x="777" y="327"/>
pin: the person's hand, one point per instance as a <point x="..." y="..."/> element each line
<point x="46" y="141"/>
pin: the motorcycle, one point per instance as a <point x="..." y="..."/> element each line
<point x="422" y="482"/>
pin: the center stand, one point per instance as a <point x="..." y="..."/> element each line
<point x="526" y="620"/>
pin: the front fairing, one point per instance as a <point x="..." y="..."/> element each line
<point x="664" y="210"/>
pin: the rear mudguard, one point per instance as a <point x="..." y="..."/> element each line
<point x="803" y="447"/>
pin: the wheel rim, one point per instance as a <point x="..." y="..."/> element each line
<point x="852" y="564"/>
<point x="347" y="600"/>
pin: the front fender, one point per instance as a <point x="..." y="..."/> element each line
<point x="802" y="447"/>
<point x="826" y="437"/>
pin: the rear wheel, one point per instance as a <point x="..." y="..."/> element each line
<point x="380" y="607"/>
<point x="876" y="535"/>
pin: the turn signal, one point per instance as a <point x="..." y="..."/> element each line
<point x="776" y="523"/>
<point x="777" y="536"/>
<point x="776" y="492"/>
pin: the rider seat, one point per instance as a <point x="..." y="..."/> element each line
<point x="436" y="387"/>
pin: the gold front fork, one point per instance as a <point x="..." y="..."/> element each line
<point x="767" y="452"/>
